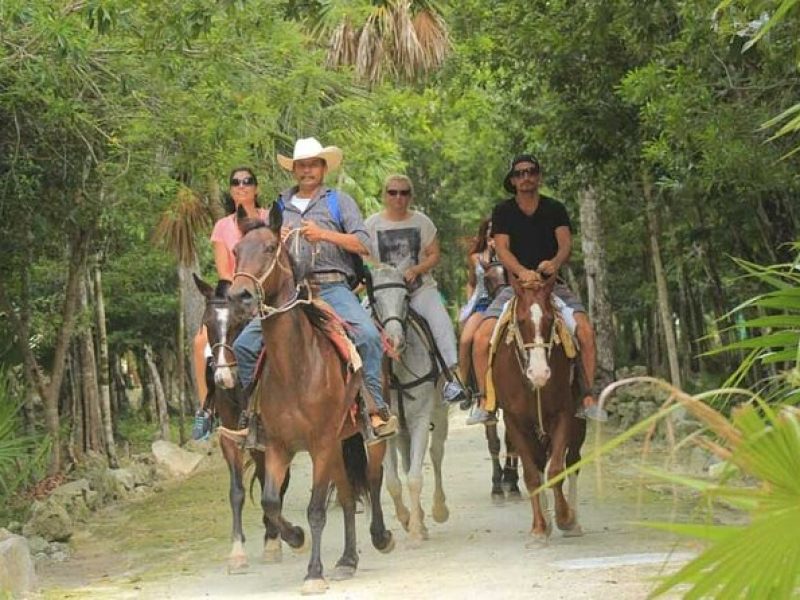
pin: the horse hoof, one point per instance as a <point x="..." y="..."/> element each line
<point x="237" y="565"/>
<point x="342" y="572"/>
<point x="440" y="513"/>
<point x="388" y="546"/>
<point x="314" y="586"/>
<point x="305" y="544"/>
<point x="539" y="540"/>
<point x="273" y="551"/>
<point x="569" y="523"/>
<point x="576" y="531"/>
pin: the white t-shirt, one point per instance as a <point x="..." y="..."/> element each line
<point x="401" y="243"/>
<point x="301" y="203"/>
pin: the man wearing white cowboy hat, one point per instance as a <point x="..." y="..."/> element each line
<point x="330" y="219"/>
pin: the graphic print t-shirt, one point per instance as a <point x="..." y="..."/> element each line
<point x="401" y="243"/>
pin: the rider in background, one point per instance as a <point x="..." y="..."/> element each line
<point x="406" y="239"/>
<point x="533" y="238"/>
<point x="480" y="256"/>
<point x="242" y="191"/>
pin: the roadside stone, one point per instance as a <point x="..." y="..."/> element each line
<point x="37" y="543"/>
<point x="177" y="461"/>
<point x="125" y="477"/>
<point x="49" y="520"/>
<point x="17" y="575"/>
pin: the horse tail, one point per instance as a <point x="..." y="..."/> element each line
<point x="355" y="463"/>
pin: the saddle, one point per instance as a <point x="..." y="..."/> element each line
<point x="504" y="332"/>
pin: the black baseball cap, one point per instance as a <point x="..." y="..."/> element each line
<point x="519" y="158"/>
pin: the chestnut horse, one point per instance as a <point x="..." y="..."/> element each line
<point x="537" y="390"/>
<point x="227" y="400"/>
<point x="305" y="398"/>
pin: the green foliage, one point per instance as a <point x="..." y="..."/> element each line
<point x="22" y="457"/>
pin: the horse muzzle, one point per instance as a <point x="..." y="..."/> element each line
<point x="226" y="377"/>
<point x="537" y="372"/>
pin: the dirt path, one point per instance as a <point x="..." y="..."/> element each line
<point x="174" y="543"/>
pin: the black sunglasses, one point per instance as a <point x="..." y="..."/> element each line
<point x="405" y="192"/>
<point x="247" y="181"/>
<point x="522" y="172"/>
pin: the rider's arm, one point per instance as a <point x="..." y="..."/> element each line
<point x="347" y="241"/>
<point x="564" y="239"/>
<point x="502" y="247"/>
<point x="431" y="255"/>
<point x="472" y="279"/>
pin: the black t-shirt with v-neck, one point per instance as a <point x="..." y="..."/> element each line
<point x="532" y="237"/>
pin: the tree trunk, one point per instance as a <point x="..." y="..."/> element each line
<point x="158" y="393"/>
<point x="91" y="393"/>
<point x="103" y="368"/>
<point x="180" y="351"/>
<point x="599" y="302"/>
<point x="75" y="445"/>
<point x="122" y="404"/>
<point x="664" y="309"/>
<point x="193" y="306"/>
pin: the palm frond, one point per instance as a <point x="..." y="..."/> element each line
<point x="180" y="224"/>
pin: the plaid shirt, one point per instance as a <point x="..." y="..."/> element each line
<point x="330" y="257"/>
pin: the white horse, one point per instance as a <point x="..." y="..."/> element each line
<point x="411" y="380"/>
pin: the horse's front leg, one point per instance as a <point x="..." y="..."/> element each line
<point x="439" y="427"/>
<point x="526" y="448"/>
<point x="237" y="560"/>
<point x="273" y="550"/>
<point x="565" y="514"/>
<point x="276" y="465"/>
<point x="382" y="537"/>
<point x="419" y="446"/>
<point x="393" y="484"/>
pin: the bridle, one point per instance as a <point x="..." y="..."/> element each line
<point x="265" y="311"/>
<point x="214" y="347"/>
<point x="402" y="319"/>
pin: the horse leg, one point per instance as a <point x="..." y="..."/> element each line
<point x="540" y="529"/>
<point x="348" y="563"/>
<point x="510" y="474"/>
<point x="237" y="560"/>
<point x="324" y="463"/>
<point x="439" y="425"/>
<point x="418" y="447"/>
<point x="276" y="465"/>
<point x="393" y="484"/>
<point x="382" y="538"/>
<point x="493" y="440"/>
<point x="565" y="515"/>
<point x="573" y="456"/>
<point x="273" y="550"/>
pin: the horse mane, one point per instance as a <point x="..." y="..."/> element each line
<point x="248" y="224"/>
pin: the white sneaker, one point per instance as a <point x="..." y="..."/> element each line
<point x="453" y="392"/>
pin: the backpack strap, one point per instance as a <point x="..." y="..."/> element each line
<point x="332" y="198"/>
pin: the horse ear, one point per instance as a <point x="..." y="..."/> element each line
<point x="275" y="218"/>
<point x="204" y="288"/>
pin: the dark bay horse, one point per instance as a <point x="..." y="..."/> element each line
<point x="535" y="386"/>
<point x="305" y="398"/>
<point x="411" y="382"/>
<point x="228" y="401"/>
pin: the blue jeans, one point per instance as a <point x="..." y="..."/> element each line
<point x="248" y="345"/>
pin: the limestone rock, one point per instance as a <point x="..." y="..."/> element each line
<point x="125" y="477"/>
<point x="177" y="461"/>
<point x="50" y="520"/>
<point x="17" y="576"/>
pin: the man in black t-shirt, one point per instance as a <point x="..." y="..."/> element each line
<point x="533" y="236"/>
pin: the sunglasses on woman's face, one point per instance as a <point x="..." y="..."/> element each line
<point x="247" y="181"/>
<point x="522" y="172"/>
<point x="405" y="192"/>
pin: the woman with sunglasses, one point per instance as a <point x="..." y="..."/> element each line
<point x="407" y="240"/>
<point x="242" y="191"/>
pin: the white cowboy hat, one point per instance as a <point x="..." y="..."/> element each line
<point x="310" y="148"/>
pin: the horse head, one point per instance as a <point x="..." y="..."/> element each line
<point x="536" y="321"/>
<point x="389" y="298"/>
<point x="221" y="331"/>
<point x="264" y="271"/>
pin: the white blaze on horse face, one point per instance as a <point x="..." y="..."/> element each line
<point x="224" y="375"/>
<point x="538" y="371"/>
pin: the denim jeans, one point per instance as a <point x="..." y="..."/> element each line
<point x="248" y="345"/>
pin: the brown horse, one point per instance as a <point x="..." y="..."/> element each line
<point x="227" y="400"/>
<point x="305" y="397"/>
<point x="535" y="386"/>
